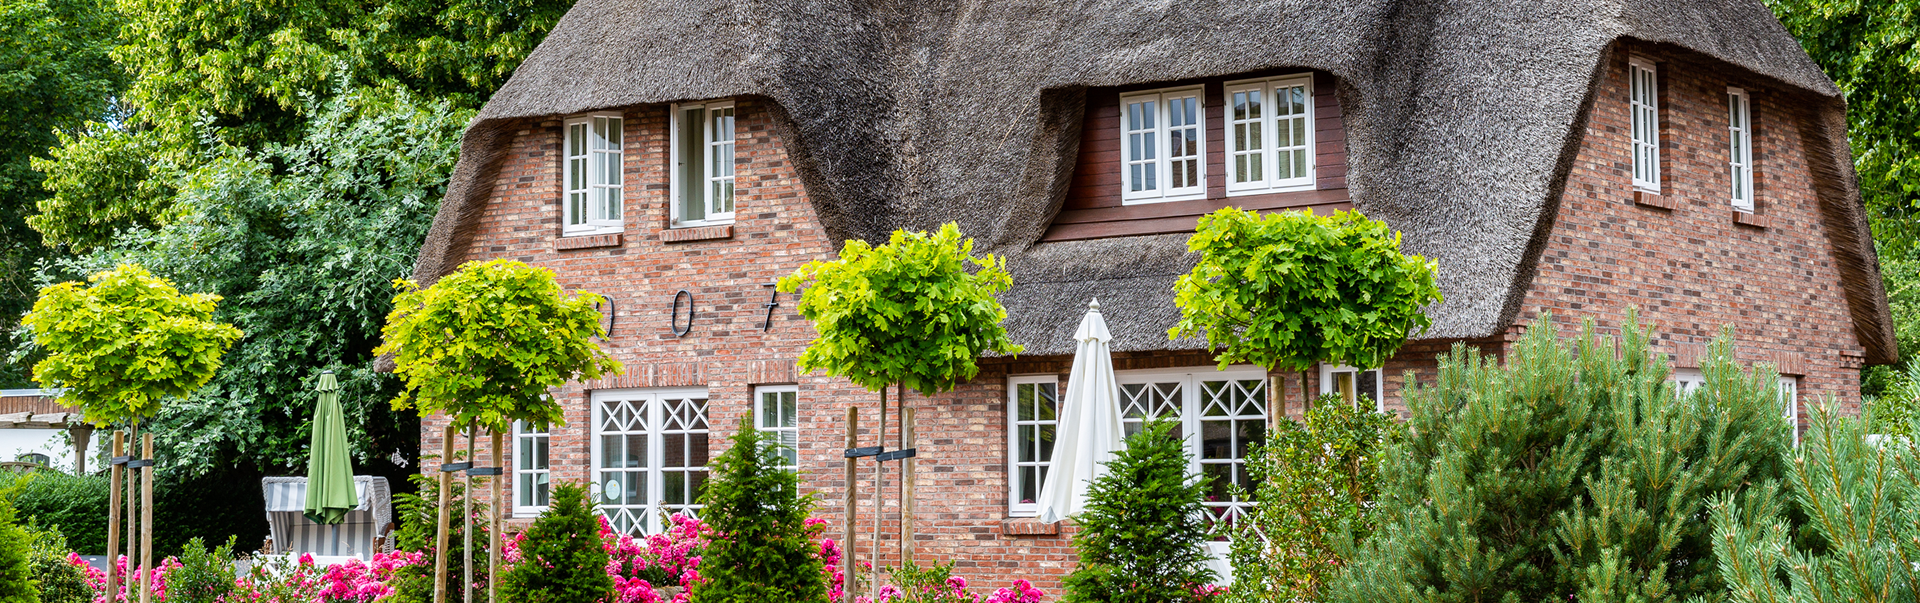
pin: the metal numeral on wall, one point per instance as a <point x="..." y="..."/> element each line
<point x="606" y="306"/>
<point x="678" y="330"/>
<point x="773" y="301"/>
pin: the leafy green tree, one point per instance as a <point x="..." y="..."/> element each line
<point x="17" y="583"/>
<point x="55" y="76"/>
<point x="1317" y="480"/>
<point x="303" y="241"/>
<point x="561" y="560"/>
<point x="484" y="344"/>
<point x="1141" y="533"/>
<point x="124" y="343"/>
<point x="247" y="67"/>
<point x="762" y="552"/>
<point x="1573" y="472"/>
<point x="1861" y="501"/>
<point x="907" y="312"/>
<point x="1289" y="290"/>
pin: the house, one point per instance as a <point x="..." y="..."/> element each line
<point x="1579" y="157"/>
<point x="36" y="429"/>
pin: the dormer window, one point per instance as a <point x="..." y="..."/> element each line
<point x="703" y="179"/>
<point x="593" y="160"/>
<point x="1269" y="135"/>
<point x="1162" y="138"/>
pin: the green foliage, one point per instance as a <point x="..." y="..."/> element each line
<point x="1141" y="532"/>
<point x="926" y="584"/>
<point x="561" y="558"/>
<point x="1898" y="405"/>
<point x="54" y="76"/>
<point x="1861" y="501"/>
<point x="17" y="583"/>
<point x="204" y="576"/>
<point x="1316" y="483"/>
<point x="1289" y="290"/>
<point x="215" y="506"/>
<point x="125" y="342"/>
<point x="302" y="241"/>
<point x="485" y="344"/>
<point x="60" y="581"/>
<point x="417" y="515"/>
<point x="1573" y="472"/>
<point x="73" y="505"/>
<point x="248" y="66"/>
<point x="763" y="552"/>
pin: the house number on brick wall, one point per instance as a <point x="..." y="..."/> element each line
<point x="674" y="314"/>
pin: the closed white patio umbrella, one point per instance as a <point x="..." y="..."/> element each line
<point x="1089" y="431"/>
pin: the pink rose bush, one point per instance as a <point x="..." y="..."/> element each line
<point x="357" y="582"/>
<point x="129" y="579"/>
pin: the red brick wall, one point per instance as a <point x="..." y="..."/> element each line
<point x="1692" y="270"/>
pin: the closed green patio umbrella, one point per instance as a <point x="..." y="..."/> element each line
<point x="330" y="492"/>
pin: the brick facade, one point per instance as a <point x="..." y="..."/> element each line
<point x="1690" y="269"/>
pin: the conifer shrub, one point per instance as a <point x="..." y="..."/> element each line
<point x="561" y="559"/>
<point x="1317" y="481"/>
<point x="1141" y="532"/>
<point x="1575" y="471"/>
<point x="1859" y="496"/>
<point x="16" y="572"/>
<point x="762" y="551"/>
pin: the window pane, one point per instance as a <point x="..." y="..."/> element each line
<point x="1370" y="384"/>
<point x="1216" y="439"/>
<point x="576" y="140"/>
<point x="636" y="449"/>
<point x="1049" y="401"/>
<point x="613" y="132"/>
<point x="1027" y="447"/>
<point x="789" y="409"/>
<point x="693" y="172"/>
<point x="611" y="455"/>
<point x="1024" y="403"/>
<point x="1029" y="485"/>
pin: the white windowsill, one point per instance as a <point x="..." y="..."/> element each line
<point x="588" y="232"/>
<point x="700" y="223"/>
<point x="1290" y="188"/>
<point x="1168" y="199"/>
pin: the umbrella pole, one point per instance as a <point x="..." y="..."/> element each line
<point x="113" y="512"/>
<point x="493" y="535"/>
<point x="850" y="503"/>
<point x="440" y="533"/>
<point x="466" y="529"/>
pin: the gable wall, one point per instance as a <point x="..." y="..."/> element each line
<point x="1692" y="269"/>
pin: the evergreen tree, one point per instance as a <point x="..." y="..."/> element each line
<point x="17" y="584"/>
<point x="1574" y="472"/>
<point x="1861" y="501"/>
<point x="561" y="560"/>
<point x="1141" y="532"/>
<point x="762" y="552"/>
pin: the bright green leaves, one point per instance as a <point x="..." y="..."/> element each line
<point x="125" y="342"/>
<point x="1287" y="290"/>
<point x="906" y="312"/>
<point x="484" y="344"/>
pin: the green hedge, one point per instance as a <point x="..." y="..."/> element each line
<point x="212" y="508"/>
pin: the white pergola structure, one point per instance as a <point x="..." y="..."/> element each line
<point x="41" y="409"/>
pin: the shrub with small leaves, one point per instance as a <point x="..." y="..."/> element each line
<point x="1141" y="532"/>
<point x="60" y="580"/>
<point x="561" y="560"/>
<point x="204" y="576"/>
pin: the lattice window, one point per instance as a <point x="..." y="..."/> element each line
<point x="1270" y="135"/>
<point x="1232" y="418"/>
<point x="1644" y="101"/>
<point x="1740" y="149"/>
<point x="530" y="468"/>
<point x="1035" y="401"/>
<point x="703" y="159"/>
<point x="1163" y="144"/>
<point x="650" y="454"/>
<point x="777" y="412"/>
<point x="592" y="174"/>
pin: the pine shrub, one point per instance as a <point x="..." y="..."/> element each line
<point x="16" y="572"/>
<point x="1317" y="480"/>
<point x="1573" y="472"/>
<point x="1141" y="533"/>
<point x="1859" y="495"/>
<point x="762" y="551"/>
<point x="561" y="560"/>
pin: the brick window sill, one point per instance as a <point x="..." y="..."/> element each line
<point x="587" y="242"/>
<point x="1752" y="219"/>
<point x="1028" y="527"/>
<point x="700" y="233"/>
<point x="1653" y="199"/>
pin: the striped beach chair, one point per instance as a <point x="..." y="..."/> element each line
<point x="367" y="529"/>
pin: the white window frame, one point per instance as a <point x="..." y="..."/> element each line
<point x="601" y="190"/>
<point x="524" y="470"/>
<point x="1268" y="123"/>
<point x="1161" y="163"/>
<point x="1191" y="416"/>
<point x="1329" y="373"/>
<point x="657" y="403"/>
<point x="677" y="159"/>
<point x="761" y="424"/>
<point x="1740" y="149"/>
<point x="1643" y="106"/>
<point x="1790" y="398"/>
<point x="1687" y="380"/>
<point x="1015" y="508"/>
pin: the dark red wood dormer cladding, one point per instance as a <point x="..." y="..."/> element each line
<point x="1093" y="209"/>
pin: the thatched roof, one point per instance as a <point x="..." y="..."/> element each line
<point x="1462" y="117"/>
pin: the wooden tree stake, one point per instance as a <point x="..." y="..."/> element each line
<point x="113" y="514"/>
<point x="907" y="483"/>
<point x="466" y="526"/>
<point x="146" y="520"/>
<point x="849" y="502"/>
<point x="493" y="534"/>
<point x="440" y="535"/>
<point x="879" y="491"/>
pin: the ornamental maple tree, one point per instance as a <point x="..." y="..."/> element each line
<point x="484" y="344"/>
<point x="124" y="342"/>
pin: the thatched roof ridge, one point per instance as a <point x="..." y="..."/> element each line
<point x="1463" y="117"/>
